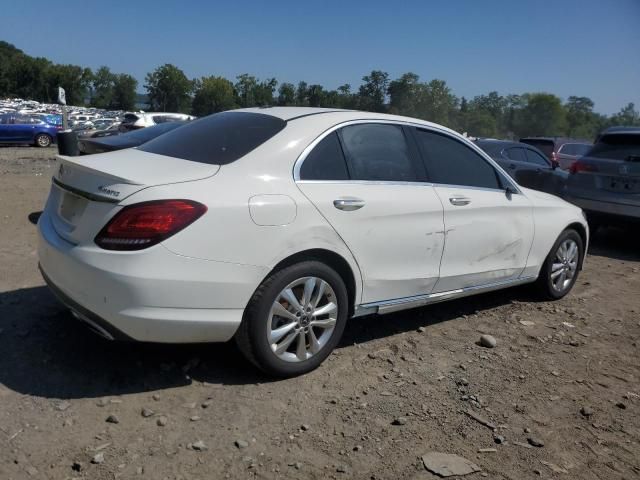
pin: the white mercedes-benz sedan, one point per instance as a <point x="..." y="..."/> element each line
<point x="274" y="226"/>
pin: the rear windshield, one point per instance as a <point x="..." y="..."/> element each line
<point x="218" y="139"/>
<point x="545" y="145"/>
<point x="575" y="149"/>
<point x="130" y="118"/>
<point x="617" y="147"/>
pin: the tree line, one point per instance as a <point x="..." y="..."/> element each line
<point x="169" y="89"/>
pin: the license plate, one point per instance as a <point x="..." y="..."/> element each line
<point x="624" y="185"/>
<point x="72" y="207"/>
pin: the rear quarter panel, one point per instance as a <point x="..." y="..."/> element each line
<point x="231" y="232"/>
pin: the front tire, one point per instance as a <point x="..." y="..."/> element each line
<point x="561" y="267"/>
<point x="42" y="140"/>
<point x="294" y="320"/>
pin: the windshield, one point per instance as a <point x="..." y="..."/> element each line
<point x="616" y="147"/>
<point x="218" y="139"/>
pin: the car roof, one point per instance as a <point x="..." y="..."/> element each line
<point x="622" y="130"/>
<point x="336" y="115"/>
<point x="559" y="140"/>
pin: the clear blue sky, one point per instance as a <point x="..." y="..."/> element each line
<point x="567" y="47"/>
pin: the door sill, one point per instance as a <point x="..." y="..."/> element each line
<point x="395" y="305"/>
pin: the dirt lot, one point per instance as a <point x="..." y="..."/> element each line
<point x="566" y="374"/>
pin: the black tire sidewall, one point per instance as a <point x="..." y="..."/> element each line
<point x="546" y="271"/>
<point x="260" y="308"/>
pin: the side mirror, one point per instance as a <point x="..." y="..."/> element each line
<point x="554" y="164"/>
<point x="509" y="190"/>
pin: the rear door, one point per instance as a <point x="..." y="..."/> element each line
<point x="518" y="166"/>
<point x="549" y="179"/>
<point x="488" y="231"/>
<point x="367" y="181"/>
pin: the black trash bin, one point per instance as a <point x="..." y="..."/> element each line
<point x="68" y="143"/>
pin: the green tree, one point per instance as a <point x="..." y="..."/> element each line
<point x="582" y="122"/>
<point x="405" y="94"/>
<point x="103" y="85"/>
<point x="543" y="115"/>
<point x="438" y="104"/>
<point x="287" y="94"/>
<point x="317" y="96"/>
<point x="302" y="94"/>
<point x="372" y="93"/>
<point x="169" y="89"/>
<point x="627" y="116"/>
<point x="124" y="92"/>
<point x="74" y="79"/>
<point x="213" y="94"/>
<point x="263" y="92"/>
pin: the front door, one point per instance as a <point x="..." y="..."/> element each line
<point x="488" y="231"/>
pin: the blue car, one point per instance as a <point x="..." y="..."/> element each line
<point x="18" y="128"/>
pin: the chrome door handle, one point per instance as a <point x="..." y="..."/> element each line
<point x="348" y="204"/>
<point x="459" y="201"/>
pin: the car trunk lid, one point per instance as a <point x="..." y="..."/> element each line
<point x="87" y="190"/>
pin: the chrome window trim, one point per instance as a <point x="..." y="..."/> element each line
<point x="301" y="158"/>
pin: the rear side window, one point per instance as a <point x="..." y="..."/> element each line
<point x="617" y="147"/>
<point x="537" y="158"/>
<point x="516" y="154"/>
<point x="218" y="139"/>
<point x="546" y="146"/>
<point x="326" y="161"/>
<point x="377" y="152"/>
<point x="450" y="162"/>
<point x="574" y="149"/>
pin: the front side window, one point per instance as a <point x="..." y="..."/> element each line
<point x="377" y="152"/>
<point x="450" y="162"/>
<point x="326" y="161"/>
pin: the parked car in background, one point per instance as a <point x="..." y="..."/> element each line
<point x="606" y="181"/>
<point x="27" y="129"/>
<point x="101" y="143"/>
<point x="99" y="131"/>
<point x="561" y="151"/>
<point x="158" y="243"/>
<point x="133" y="121"/>
<point x="526" y="165"/>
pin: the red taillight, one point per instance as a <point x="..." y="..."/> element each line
<point x="579" y="166"/>
<point x="144" y="224"/>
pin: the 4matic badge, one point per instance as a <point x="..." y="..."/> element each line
<point x="108" y="191"/>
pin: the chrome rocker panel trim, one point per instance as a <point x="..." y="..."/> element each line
<point x="398" y="304"/>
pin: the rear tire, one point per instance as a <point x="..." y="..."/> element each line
<point x="294" y="320"/>
<point x="42" y="140"/>
<point x="560" y="270"/>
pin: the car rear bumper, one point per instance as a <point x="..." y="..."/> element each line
<point x="152" y="295"/>
<point x="620" y="210"/>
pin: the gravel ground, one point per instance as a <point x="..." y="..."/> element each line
<point x="558" y="397"/>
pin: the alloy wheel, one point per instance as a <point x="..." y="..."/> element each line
<point x="565" y="265"/>
<point x="302" y="319"/>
